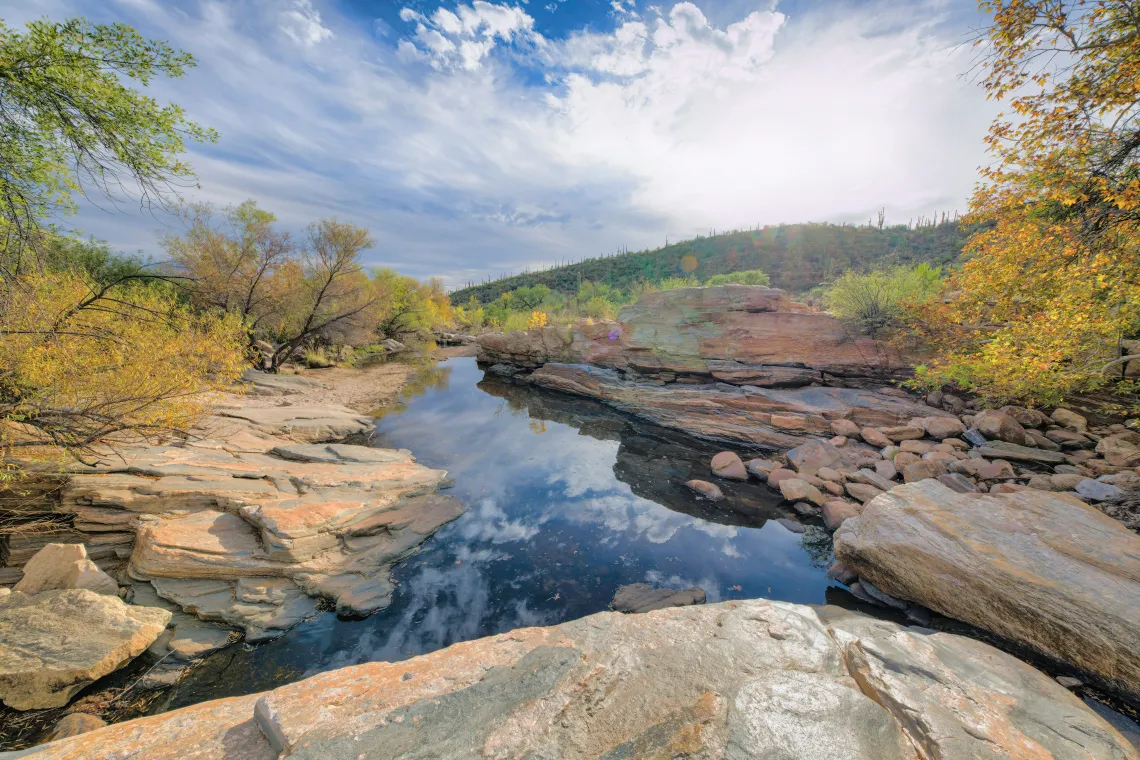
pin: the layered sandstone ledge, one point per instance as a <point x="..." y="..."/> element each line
<point x="750" y="679"/>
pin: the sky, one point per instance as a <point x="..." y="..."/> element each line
<point x="487" y="136"/>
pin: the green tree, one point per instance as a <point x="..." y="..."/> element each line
<point x="744" y="277"/>
<point x="70" y="123"/>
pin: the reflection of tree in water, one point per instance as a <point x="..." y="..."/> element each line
<point x="818" y="546"/>
<point x="429" y="375"/>
<point x="655" y="462"/>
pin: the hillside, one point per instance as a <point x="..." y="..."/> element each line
<point x="797" y="256"/>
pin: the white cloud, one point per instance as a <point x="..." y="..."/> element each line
<point x="302" y="24"/>
<point x="463" y="38"/>
<point x="666" y="126"/>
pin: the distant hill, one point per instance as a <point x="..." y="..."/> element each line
<point x="798" y="257"/>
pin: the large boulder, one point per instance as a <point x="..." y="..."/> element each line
<point x="57" y="642"/>
<point x="999" y="426"/>
<point x="63" y="566"/>
<point x="641" y="597"/>
<point x="1121" y="449"/>
<point x="1040" y="568"/>
<point x="748" y="679"/>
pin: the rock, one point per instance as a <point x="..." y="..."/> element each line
<point x="903" y="458"/>
<point x="880" y="596"/>
<point x="1042" y="482"/>
<point x="57" y="642"/>
<point x="641" y="597"/>
<point x="1042" y="569"/>
<point x="997" y="425"/>
<point x="943" y="427"/>
<point x="1120" y="449"/>
<point x="957" y="482"/>
<point x="1006" y="488"/>
<point x="1040" y="440"/>
<point x="795" y="526"/>
<point x="1097" y="491"/>
<point x="974" y="437"/>
<point x="64" y="566"/>
<point x="953" y="404"/>
<point x="804" y="509"/>
<point x="393" y="346"/>
<point x="992" y="470"/>
<point x="841" y="573"/>
<point x="838" y="441"/>
<point x="760" y="468"/>
<point x="308" y="423"/>
<point x="1070" y="420"/>
<point x="1027" y="418"/>
<point x="862" y="492"/>
<point x="828" y="474"/>
<point x="794" y="489"/>
<point x="1065" y="481"/>
<point x="916" y="447"/>
<point x="835" y="511"/>
<point x="886" y="470"/>
<point x="726" y="464"/>
<point x="845" y="428"/>
<point x="923" y="470"/>
<point x="270" y="384"/>
<point x="809" y="456"/>
<point x="706" y="490"/>
<point x="871" y="478"/>
<point x="776" y="476"/>
<point x="875" y="437"/>
<point x="74" y="724"/>
<point x="1020" y="453"/>
<point x="737" y="679"/>
<point x="1068" y="439"/>
<point x="904" y="433"/>
<point x="1069" y="682"/>
<point x="1126" y="481"/>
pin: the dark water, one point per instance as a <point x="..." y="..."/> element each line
<point x="567" y="501"/>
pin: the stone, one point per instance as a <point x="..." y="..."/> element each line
<point x="871" y="478"/>
<point x="737" y="679"/>
<point x="995" y="424"/>
<point x="1020" y="453"/>
<point x="270" y="384"/>
<point x="308" y="423"/>
<point x="835" y="511"/>
<point x="953" y="404"/>
<point x="904" y="433"/>
<point x="916" y="447"/>
<point x="776" y="476"/>
<point x="63" y="566"/>
<point x="1126" y="481"/>
<point x="903" y="458"/>
<point x="840" y="572"/>
<point x="1121" y="449"/>
<point x="705" y="490"/>
<point x="845" y="428"/>
<point x="1065" y="481"/>
<point x="1070" y="420"/>
<point x="760" y="468"/>
<point x="881" y="597"/>
<point x="727" y="464"/>
<point x="1006" y="488"/>
<point x="957" y="482"/>
<point x="74" y="724"/>
<point x="1096" y="491"/>
<point x="1027" y="418"/>
<point x="923" y="470"/>
<point x="862" y="492"/>
<point x="1068" y="439"/>
<point x="795" y="526"/>
<point x="993" y="470"/>
<point x="794" y="489"/>
<point x="826" y="473"/>
<point x="875" y="437"/>
<point x="838" y="441"/>
<point x="1069" y="682"/>
<point x="886" y="469"/>
<point x="974" y="437"/>
<point x="943" y="427"/>
<point x="57" y="642"/>
<point x="934" y="398"/>
<point x="809" y="456"/>
<point x="1042" y="482"/>
<point x="833" y="488"/>
<point x="1040" y="440"/>
<point x="641" y="597"/>
<point x="1039" y="568"/>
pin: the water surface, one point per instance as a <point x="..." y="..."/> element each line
<point x="568" y="500"/>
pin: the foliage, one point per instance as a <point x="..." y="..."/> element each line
<point x="81" y="363"/>
<point x="876" y="301"/>
<point x="1044" y="297"/>
<point x="317" y="358"/>
<point x="743" y="277"/>
<point x="536" y="319"/>
<point x="70" y="123"/>
<point x="407" y="306"/>
<point x="797" y="257"/>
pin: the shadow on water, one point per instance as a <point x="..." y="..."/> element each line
<point x="567" y="500"/>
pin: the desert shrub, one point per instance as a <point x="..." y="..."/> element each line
<point x="875" y="301"/>
<point x="745" y="277"/>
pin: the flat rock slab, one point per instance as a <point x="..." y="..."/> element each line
<point x="1040" y="568"/>
<point x="641" y="597"/>
<point x="267" y="383"/>
<point x="1003" y="450"/>
<point x="749" y="679"/>
<point x="305" y="423"/>
<point x="55" y="643"/>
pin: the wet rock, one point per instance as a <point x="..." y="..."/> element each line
<point x="760" y="468"/>
<point x="1121" y="449"/>
<point x="840" y="572"/>
<point x="881" y="596"/>
<point x="727" y="464"/>
<point x="64" y="566"/>
<point x="57" y="642"/>
<point x="641" y="597"/>
<point x="1097" y="491"/>
<point x="1020" y="453"/>
<point x="705" y="489"/>
<point x="795" y="526"/>
<point x="1039" y="568"/>
<point x="875" y="437"/>
<point x="835" y="511"/>
<point x="1070" y="420"/>
<point x="794" y="489"/>
<point x="74" y="724"/>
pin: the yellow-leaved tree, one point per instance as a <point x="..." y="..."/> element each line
<point x="1046" y="294"/>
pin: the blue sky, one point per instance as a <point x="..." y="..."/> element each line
<point x="481" y="137"/>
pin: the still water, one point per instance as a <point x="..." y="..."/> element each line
<point x="567" y="500"/>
